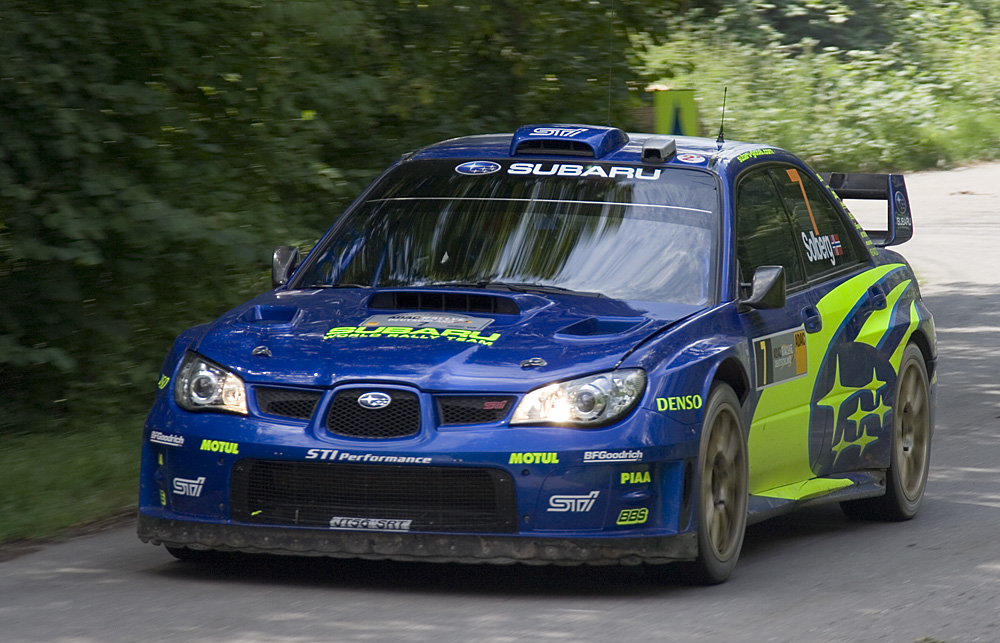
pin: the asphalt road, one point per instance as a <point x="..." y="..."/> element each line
<point x="813" y="576"/>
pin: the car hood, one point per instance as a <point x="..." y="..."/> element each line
<point x="450" y="340"/>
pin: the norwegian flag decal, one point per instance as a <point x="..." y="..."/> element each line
<point x="838" y="250"/>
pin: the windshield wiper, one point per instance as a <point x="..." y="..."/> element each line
<point x="525" y="288"/>
<point x="334" y="286"/>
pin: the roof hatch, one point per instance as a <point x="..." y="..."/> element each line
<point x="567" y="140"/>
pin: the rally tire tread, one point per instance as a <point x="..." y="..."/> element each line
<point x="721" y="492"/>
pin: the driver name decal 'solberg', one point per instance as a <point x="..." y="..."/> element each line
<point x="826" y="246"/>
<point x="585" y="171"/>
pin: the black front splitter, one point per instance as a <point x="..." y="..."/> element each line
<point x="462" y="548"/>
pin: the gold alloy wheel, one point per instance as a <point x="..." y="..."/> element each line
<point x="912" y="431"/>
<point x="724" y="493"/>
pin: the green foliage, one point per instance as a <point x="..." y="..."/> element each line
<point x="920" y="101"/>
<point x="155" y="153"/>
<point x="132" y="192"/>
<point x="57" y="481"/>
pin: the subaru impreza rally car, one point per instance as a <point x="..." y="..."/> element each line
<point x="564" y="345"/>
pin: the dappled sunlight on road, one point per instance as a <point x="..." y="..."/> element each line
<point x="965" y="468"/>
<point x="955" y="229"/>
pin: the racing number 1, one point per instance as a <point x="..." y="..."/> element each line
<point x="763" y="361"/>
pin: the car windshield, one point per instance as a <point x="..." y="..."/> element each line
<point x="627" y="232"/>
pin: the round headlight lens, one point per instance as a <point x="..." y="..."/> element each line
<point x="205" y="387"/>
<point x="588" y="401"/>
<point x="202" y="385"/>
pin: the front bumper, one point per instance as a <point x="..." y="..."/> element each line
<point x="418" y="547"/>
<point x="481" y="493"/>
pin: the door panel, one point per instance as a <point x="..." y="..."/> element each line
<point x="784" y="357"/>
<point x="825" y="364"/>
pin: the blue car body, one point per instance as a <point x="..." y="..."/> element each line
<point x="377" y="411"/>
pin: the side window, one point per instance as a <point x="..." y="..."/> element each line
<point x="764" y="232"/>
<point x="819" y="229"/>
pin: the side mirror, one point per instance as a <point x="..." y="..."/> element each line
<point x="767" y="290"/>
<point x="283" y="264"/>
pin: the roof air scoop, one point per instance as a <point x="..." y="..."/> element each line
<point x="567" y="140"/>
<point x="658" y="148"/>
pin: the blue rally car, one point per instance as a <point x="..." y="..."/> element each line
<point x="564" y="345"/>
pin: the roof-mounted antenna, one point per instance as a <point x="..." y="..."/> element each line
<point x="722" y="125"/>
<point x="611" y="57"/>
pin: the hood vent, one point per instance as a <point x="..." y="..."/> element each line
<point x="263" y="314"/>
<point x="455" y="302"/>
<point x="556" y="148"/>
<point x="602" y="326"/>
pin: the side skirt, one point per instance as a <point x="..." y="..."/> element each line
<point x="783" y="500"/>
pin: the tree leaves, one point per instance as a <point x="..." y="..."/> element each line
<point x="900" y="84"/>
<point x="155" y="153"/>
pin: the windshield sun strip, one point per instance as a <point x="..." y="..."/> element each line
<point x="495" y="199"/>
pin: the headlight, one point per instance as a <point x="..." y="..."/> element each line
<point x="202" y="385"/>
<point x="589" y="401"/>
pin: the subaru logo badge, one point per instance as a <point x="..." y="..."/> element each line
<point x="374" y="400"/>
<point x="900" y="201"/>
<point x="478" y="167"/>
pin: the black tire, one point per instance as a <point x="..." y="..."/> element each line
<point x="721" y="489"/>
<point x="906" y="478"/>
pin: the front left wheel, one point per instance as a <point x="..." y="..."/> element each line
<point x="722" y="488"/>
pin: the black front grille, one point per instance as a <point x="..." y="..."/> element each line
<point x="467" y="409"/>
<point x="400" y="418"/>
<point x="310" y="494"/>
<point x="287" y="402"/>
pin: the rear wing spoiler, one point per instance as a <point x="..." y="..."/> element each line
<point x="884" y="187"/>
